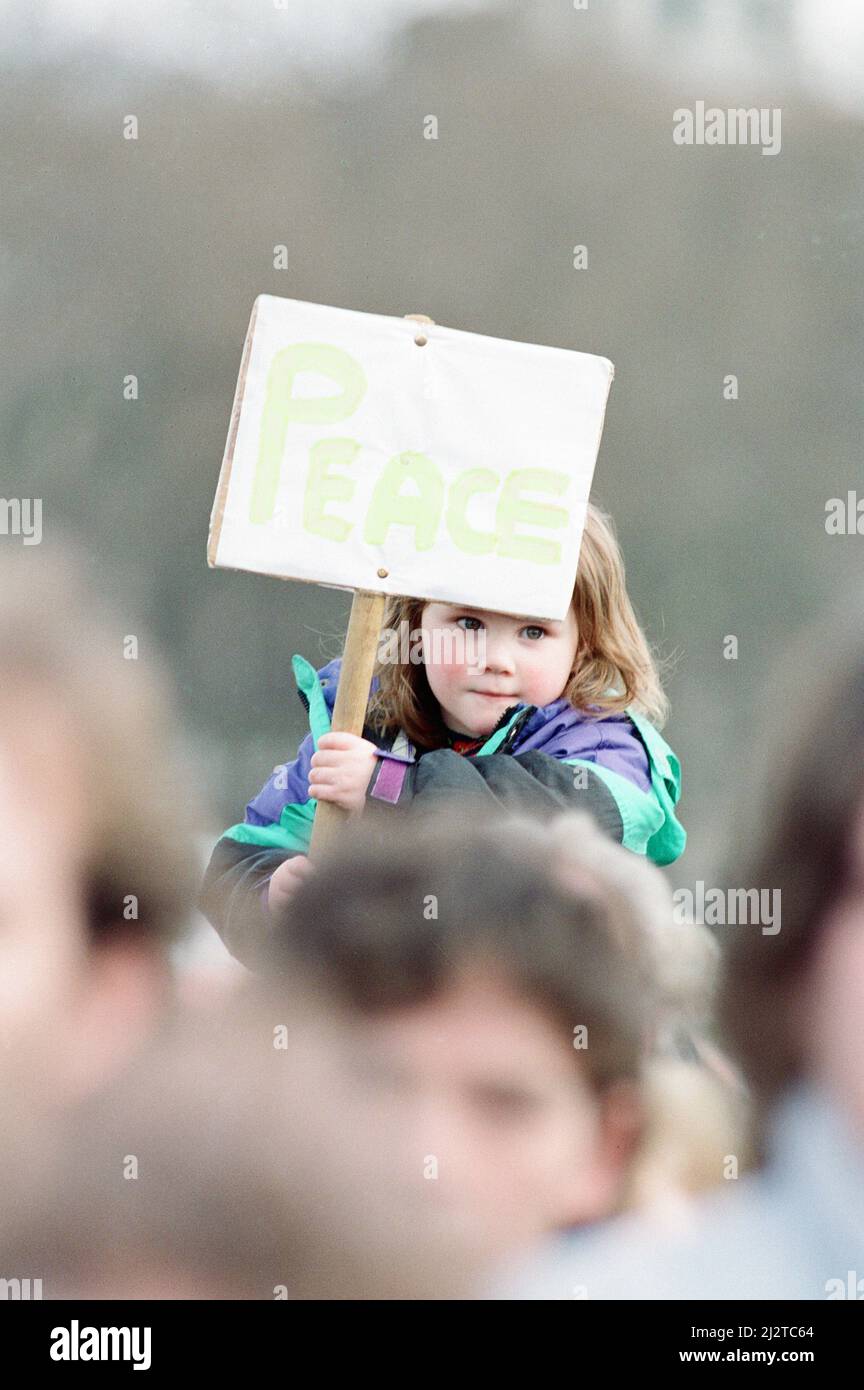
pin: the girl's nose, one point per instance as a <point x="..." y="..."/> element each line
<point x="498" y="656"/>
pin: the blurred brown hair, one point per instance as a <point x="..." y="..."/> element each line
<point x="62" y="659"/>
<point x="505" y="901"/>
<point x="808" y="790"/>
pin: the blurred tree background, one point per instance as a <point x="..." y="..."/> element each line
<point x="554" y="130"/>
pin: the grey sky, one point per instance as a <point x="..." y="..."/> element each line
<point x="817" y="45"/>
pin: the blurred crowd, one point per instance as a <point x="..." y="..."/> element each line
<point x="486" y="1060"/>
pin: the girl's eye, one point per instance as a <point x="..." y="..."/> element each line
<point x="534" y="633"/>
<point x="460" y="621"/>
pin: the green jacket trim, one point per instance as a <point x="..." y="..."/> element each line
<point x="309" y="685"/>
<point x="293" y="833"/>
<point x="650" y="825"/>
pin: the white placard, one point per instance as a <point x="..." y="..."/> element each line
<point x="458" y="471"/>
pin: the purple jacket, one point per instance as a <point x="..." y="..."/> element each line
<point x="538" y="760"/>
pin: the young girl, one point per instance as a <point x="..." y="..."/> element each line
<point x="526" y="715"/>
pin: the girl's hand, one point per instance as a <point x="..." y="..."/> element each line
<point x="341" y="769"/>
<point x="285" y="879"/>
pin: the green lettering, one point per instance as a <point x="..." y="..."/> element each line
<point x="514" y="509"/>
<point x="390" y="506"/>
<point x="471" y="541"/>
<point x="281" y="408"/>
<point x="323" y="487"/>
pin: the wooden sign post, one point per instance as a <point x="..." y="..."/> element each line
<point x="355" y="675"/>
<point x="459" y="474"/>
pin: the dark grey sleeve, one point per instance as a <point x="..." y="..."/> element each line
<point x="232" y="897"/>
<point x="532" y="782"/>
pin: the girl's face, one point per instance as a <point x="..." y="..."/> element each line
<point x="479" y="663"/>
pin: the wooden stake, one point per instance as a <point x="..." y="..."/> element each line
<point x="355" y="675"/>
<point x="352" y="697"/>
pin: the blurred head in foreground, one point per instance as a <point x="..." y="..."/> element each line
<point x="96" y="868"/>
<point x="232" y="1157"/>
<point x="508" y="992"/>
<point x="791" y="1005"/>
